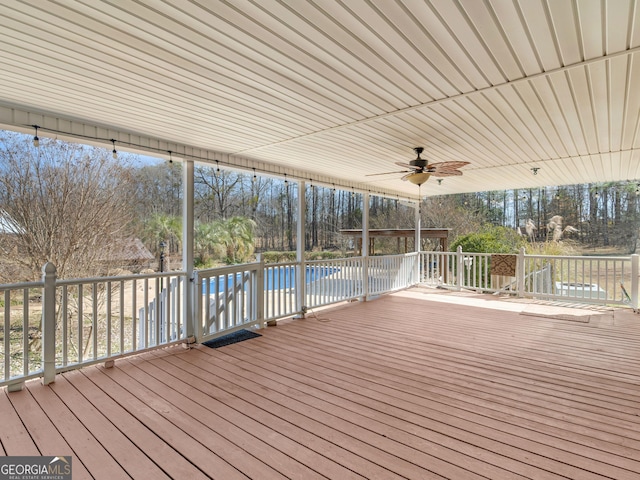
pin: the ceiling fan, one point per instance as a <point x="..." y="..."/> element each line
<point x="420" y="169"/>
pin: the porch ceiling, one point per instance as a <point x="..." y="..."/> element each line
<point x="334" y="90"/>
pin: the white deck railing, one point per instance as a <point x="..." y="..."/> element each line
<point x="54" y="325"/>
<point x="228" y="299"/>
<point x="389" y="273"/>
<point x="280" y="290"/>
<point x="332" y="281"/>
<point x="583" y="279"/>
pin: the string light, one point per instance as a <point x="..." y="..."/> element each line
<point x="286" y="182"/>
<point x="254" y="174"/>
<point x="36" y="140"/>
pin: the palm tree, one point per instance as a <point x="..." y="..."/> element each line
<point x="238" y="239"/>
<point x="208" y="242"/>
<point x="162" y="227"/>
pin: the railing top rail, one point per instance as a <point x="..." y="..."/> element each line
<point x="326" y="260"/>
<point x="243" y="267"/>
<point x="580" y="257"/>
<point x="118" y="278"/>
<point x="396" y="255"/>
<point x="281" y="264"/>
<point x="16" y="286"/>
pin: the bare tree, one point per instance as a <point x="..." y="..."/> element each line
<point x="70" y="204"/>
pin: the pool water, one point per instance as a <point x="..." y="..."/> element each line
<point x="276" y="278"/>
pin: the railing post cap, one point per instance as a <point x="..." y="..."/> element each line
<point x="48" y="268"/>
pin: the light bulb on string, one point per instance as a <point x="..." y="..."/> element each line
<point x="217" y="166"/>
<point x="36" y="140"/>
<point x="114" y="152"/>
<point x="254" y="174"/>
<point x="170" y="157"/>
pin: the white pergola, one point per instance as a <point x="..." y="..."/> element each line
<point x="331" y="91"/>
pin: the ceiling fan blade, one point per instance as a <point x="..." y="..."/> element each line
<point x="446" y="173"/>
<point x="448" y="165"/>
<point x="446" y="169"/>
<point x="385" y="173"/>
<point x="406" y="165"/>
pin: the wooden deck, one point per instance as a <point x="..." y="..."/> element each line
<point x="418" y="384"/>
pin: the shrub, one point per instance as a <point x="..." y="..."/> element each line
<point x="490" y="239"/>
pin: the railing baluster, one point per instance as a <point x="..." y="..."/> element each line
<point x="108" y="314"/>
<point x="94" y="320"/>
<point x="80" y="325"/>
<point x="7" y="334"/>
<point x="121" y="315"/>
<point x="25" y="332"/>
<point x="134" y="314"/>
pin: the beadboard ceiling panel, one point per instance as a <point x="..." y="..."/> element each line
<point x="336" y="92"/>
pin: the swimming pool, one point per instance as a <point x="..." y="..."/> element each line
<point x="275" y="278"/>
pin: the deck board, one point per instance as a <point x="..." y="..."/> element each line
<point x="86" y="446"/>
<point x="413" y="385"/>
<point x="168" y="459"/>
<point x="14" y="435"/>
<point x="128" y="455"/>
<point x="288" y="439"/>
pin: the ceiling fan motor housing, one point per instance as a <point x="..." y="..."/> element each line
<point x="419" y="163"/>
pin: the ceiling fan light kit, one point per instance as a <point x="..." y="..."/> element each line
<point x="418" y="178"/>
<point x="420" y="170"/>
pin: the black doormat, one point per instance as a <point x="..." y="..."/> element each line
<point x="234" y="337"/>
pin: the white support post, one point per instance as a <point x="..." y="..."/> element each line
<point x="460" y="269"/>
<point x="520" y="273"/>
<point x="301" y="280"/>
<point x="635" y="271"/>
<point x="189" y="313"/>
<point x="365" y="246"/>
<point x="49" y="323"/>
<point x="418" y="241"/>
<point x="196" y="308"/>
<point x="259" y="291"/>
